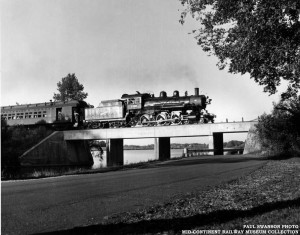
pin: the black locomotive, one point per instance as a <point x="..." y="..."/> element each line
<point x="128" y="111"/>
<point x="143" y="109"/>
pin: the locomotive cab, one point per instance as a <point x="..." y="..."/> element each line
<point x="136" y="101"/>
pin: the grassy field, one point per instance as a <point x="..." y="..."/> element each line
<point x="267" y="196"/>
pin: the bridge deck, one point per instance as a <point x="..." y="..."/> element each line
<point x="159" y="131"/>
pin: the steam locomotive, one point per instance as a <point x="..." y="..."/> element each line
<point x="140" y="109"/>
<point x="143" y="109"/>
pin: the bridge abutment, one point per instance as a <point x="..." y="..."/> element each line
<point x="54" y="150"/>
<point x="114" y="152"/>
<point x="162" y="148"/>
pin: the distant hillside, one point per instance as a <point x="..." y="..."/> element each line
<point x="173" y="146"/>
<point x="234" y="144"/>
<point x="138" y="147"/>
<point x="194" y="146"/>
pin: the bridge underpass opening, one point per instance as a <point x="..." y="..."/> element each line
<point x="143" y="150"/>
<point x="217" y="144"/>
<point x="230" y="138"/>
<point x="191" y="143"/>
<point x="227" y="143"/>
<point x="134" y="151"/>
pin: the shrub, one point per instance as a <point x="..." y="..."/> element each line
<point x="279" y="132"/>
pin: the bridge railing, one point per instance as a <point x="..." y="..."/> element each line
<point x="201" y="152"/>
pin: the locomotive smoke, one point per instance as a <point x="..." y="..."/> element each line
<point x="190" y="75"/>
<point x="184" y="73"/>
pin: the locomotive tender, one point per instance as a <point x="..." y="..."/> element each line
<point x="128" y="111"/>
<point x="143" y="109"/>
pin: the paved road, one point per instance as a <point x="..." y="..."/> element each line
<point x="52" y="204"/>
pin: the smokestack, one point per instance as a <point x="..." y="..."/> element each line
<point x="196" y="91"/>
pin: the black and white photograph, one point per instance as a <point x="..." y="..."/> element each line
<point x="150" y="117"/>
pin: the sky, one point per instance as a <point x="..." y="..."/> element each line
<point x="115" y="47"/>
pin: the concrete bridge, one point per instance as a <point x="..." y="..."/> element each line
<point x="72" y="140"/>
<point x="162" y="135"/>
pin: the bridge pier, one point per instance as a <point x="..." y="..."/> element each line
<point x="162" y="148"/>
<point x="216" y="143"/>
<point x="114" y="152"/>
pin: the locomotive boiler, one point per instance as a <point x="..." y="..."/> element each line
<point x="143" y="109"/>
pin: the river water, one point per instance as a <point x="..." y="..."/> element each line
<point x="132" y="156"/>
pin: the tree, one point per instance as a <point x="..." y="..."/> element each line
<point x="234" y="144"/>
<point x="70" y="89"/>
<point x="259" y="37"/>
<point x="279" y="132"/>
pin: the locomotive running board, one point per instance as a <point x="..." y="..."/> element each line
<point x="106" y="120"/>
<point x="160" y="121"/>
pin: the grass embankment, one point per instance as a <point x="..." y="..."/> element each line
<point x="16" y="140"/>
<point x="268" y="196"/>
